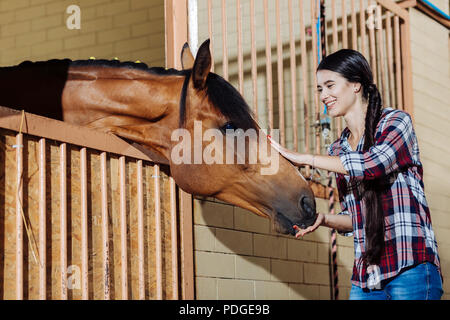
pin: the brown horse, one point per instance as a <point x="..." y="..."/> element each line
<point x="146" y="105"/>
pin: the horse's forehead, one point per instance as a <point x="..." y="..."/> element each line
<point x="203" y="108"/>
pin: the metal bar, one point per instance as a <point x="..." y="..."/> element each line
<point x="334" y="25"/>
<point x="344" y="26"/>
<point x="280" y="76"/>
<point x="210" y="33"/>
<point x="123" y="228"/>
<point x="224" y="41"/>
<point x="390" y="63"/>
<point x="354" y="27"/>
<point x="105" y="227"/>
<point x="314" y="66"/>
<point x="362" y="25"/>
<point x="158" y="239"/>
<point x="19" y="221"/>
<point x="63" y="217"/>
<point x="398" y="63"/>
<point x="254" y="59"/>
<point x="406" y="67"/>
<point x="84" y="226"/>
<point x="193" y="25"/>
<point x="239" y="45"/>
<point x="304" y="77"/>
<point x="380" y="46"/>
<point x="293" y="76"/>
<point x="42" y="221"/>
<point x="268" y="66"/>
<point x="141" y="257"/>
<point x="174" y="238"/>
<point x="373" y="53"/>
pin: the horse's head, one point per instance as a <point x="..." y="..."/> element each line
<point x="220" y="151"/>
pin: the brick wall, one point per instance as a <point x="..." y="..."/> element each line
<point x="238" y="256"/>
<point x="127" y="29"/>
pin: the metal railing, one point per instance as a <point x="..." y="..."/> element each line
<point x="270" y="50"/>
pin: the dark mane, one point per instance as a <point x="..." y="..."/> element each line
<point x="102" y="63"/>
<point x="230" y="102"/>
<point x="226" y="99"/>
<point x="127" y="65"/>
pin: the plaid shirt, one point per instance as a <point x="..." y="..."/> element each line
<point x="409" y="237"/>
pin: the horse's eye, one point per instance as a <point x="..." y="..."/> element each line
<point x="228" y="126"/>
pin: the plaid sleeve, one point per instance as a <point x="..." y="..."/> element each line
<point x="393" y="149"/>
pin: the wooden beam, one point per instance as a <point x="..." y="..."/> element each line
<point x="433" y="14"/>
<point x="77" y="135"/>
<point x="407" y="4"/>
<point x="176" y="17"/>
<point x="394" y="7"/>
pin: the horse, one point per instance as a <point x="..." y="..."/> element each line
<point x="145" y="105"/>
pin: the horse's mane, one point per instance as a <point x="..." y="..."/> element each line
<point x="230" y="102"/>
<point x="128" y="65"/>
<point x="225" y="98"/>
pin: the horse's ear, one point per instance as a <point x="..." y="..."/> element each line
<point x="187" y="59"/>
<point x="202" y="66"/>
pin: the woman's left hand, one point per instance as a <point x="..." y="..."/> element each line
<point x="296" y="158"/>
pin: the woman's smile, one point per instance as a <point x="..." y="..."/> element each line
<point x="330" y="103"/>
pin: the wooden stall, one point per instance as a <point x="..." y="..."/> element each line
<point x="84" y="215"/>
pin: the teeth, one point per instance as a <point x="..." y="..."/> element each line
<point x="331" y="103"/>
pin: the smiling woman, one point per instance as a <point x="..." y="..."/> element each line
<point x="376" y="161"/>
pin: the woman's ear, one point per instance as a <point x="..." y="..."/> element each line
<point x="357" y="87"/>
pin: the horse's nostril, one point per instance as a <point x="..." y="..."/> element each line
<point x="308" y="206"/>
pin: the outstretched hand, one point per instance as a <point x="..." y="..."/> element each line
<point x="296" y="158"/>
<point x="302" y="232"/>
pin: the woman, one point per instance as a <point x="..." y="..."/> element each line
<point x="379" y="179"/>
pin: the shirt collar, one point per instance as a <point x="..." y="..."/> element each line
<point x="344" y="141"/>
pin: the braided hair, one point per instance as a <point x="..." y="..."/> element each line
<point x="352" y="65"/>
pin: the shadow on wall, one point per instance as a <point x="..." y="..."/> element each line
<point x="232" y="243"/>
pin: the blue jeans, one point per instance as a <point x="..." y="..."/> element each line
<point x="422" y="282"/>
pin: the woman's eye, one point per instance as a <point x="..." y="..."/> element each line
<point x="228" y="126"/>
<point x="330" y="86"/>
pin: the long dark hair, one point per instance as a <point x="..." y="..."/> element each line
<point x="352" y="65"/>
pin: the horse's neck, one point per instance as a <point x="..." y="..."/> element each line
<point x="142" y="110"/>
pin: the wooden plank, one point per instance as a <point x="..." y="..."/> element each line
<point x="179" y="7"/>
<point x="76" y="135"/>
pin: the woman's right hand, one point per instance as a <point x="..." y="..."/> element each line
<point x="319" y="221"/>
<point x="297" y="159"/>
